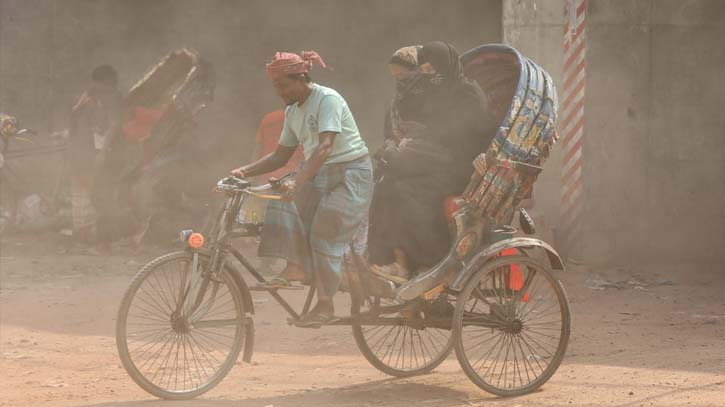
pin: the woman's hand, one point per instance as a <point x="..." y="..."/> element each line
<point x="403" y="143"/>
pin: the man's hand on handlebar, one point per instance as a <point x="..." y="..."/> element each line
<point x="238" y="172"/>
<point x="285" y="186"/>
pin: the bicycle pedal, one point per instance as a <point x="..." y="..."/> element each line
<point x="293" y="322"/>
<point x="318" y="325"/>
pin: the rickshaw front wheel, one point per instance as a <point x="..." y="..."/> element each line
<point x="178" y="332"/>
<point x="512" y="325"/>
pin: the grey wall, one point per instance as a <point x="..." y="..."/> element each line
<point x="48" y="47"/>
<point x="656" y="133"/>
<point x="654" y="146"/>
<point x="535" y="28"/>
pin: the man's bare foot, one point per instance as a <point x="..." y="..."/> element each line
<point x="324" y="307"/>
<point x="293" y="272"/>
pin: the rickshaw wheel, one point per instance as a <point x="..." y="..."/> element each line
<point x="512" y="324"/>
<point x="405" y="346"/>
<point x="182" y="355"/>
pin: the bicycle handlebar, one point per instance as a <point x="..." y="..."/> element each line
<point x="234" y="184"/>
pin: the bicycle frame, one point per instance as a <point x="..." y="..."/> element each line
<point x="220" y="246"/>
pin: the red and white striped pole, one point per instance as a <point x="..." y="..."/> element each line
<point x="571" y="126"/>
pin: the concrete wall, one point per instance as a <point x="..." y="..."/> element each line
<point x="48" y="48"/>
<point x="654" y="149"/>
<point x="535" y="28"/>
<point x="655" y="126"/>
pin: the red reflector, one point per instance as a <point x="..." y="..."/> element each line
<point x="450" y="206"/>
<point x="196" y="240"/>
<point x="516" y="276"/>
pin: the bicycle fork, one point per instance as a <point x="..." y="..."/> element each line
<point x="208" y="277"/>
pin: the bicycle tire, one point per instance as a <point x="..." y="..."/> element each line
<point x="564" y="330"/>
<point x="240" y="339"/>
<point x="385" y="362"/>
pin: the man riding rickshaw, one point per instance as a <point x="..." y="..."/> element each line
<point x="448" y="273"/>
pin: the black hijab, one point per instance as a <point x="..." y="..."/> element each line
<point x="455" y="107"/>
<point x="445" y="59"/>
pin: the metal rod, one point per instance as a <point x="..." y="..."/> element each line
<point x="281" y="301"/>
<point x="415" y="324"/>
<point x="308" y="300"/>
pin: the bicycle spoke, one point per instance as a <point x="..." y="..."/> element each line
<point x="525" y="360"/>
<point x="381" y="342"/>
<point x="196" y="360"/>
<point x="484" y="358"/>
<point x="151" y="343"/>
<point x="533" y="354"/>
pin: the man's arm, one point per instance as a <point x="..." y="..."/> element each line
<point x="318" y="157"/>
<point x="270" y="162"/>
<point x="330" y="124"/>
<point x="312" y="165"/>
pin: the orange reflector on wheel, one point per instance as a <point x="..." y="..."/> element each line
<point x="196" y="240"/>
<point x="516" y="276"/>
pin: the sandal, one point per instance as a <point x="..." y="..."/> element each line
<point x="315" y="320"/>
<point x="277" y="283"/>
<point x="393" y="272"/>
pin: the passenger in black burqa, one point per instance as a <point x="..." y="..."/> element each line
<point x="408" y="229"/>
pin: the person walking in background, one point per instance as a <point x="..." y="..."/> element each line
<point x="94" y="124"/>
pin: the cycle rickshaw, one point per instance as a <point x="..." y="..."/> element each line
<point x="158" y="133"/>
<point x="494" y="298"/>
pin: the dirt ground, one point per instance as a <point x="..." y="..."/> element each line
<point x="641" y="337"/>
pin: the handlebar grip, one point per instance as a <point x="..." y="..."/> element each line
<point x="277" y="182"/>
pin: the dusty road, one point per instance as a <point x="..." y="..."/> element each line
<point x="658" y="339"/>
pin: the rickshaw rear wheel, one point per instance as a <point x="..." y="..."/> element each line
<point x="512" y="325"/>
<point x="408" y="349"/>
<point x="179" y="356"/>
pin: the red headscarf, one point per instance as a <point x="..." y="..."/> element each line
<point x="285" y="63"/>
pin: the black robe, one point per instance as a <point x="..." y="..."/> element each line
<point x="407" y="210"/>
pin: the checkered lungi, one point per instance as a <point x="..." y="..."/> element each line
<point x="315" y="229"/>
<point x="82" y="211"/>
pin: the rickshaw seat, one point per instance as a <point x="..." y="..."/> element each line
<point x="522" y="98"/>
<point x="138" y="128"/>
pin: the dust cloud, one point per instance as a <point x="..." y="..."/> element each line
<point x="48" y="48"/>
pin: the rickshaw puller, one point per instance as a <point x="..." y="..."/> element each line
<point x="325" y="202"/>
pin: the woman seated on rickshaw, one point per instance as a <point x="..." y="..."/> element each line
<point x="438" y="123"/>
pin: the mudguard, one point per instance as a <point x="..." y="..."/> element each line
<point x="491" y="251"/>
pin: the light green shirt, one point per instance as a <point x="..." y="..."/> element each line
<point x="324" y="110"/>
